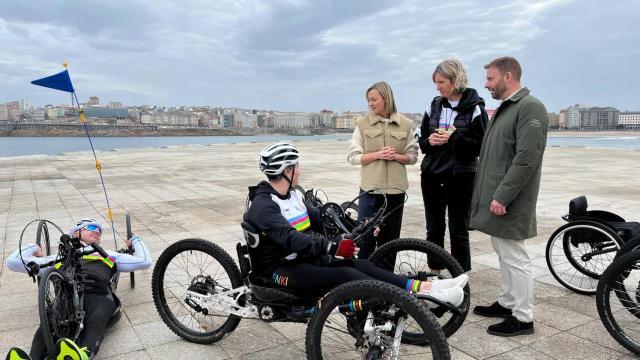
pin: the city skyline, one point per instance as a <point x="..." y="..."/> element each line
<point x="306" y="56"/>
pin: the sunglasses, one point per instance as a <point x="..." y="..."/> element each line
<point x="93" y="228"/>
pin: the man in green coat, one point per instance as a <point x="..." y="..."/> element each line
<point x="506" y="191"/>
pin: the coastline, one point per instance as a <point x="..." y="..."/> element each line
<point x="570" y="133"/>
<point x="73" y="130"/>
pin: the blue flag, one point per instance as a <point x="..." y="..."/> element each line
<point x="59" y="81"/>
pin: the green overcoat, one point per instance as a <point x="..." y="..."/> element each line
<point x="509" y="168"/>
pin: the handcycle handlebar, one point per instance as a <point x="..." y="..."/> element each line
<point x="71" y="243"/>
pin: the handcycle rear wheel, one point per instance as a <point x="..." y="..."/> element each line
<point x="43" y="236"/>
<point x="620" y="314"/>
<point x="194" y="265"/>
<point x="578" y="265"/>
<point x="57" y="315"/>
<point x="341" y="327"/>
<point x="409" y="257"/>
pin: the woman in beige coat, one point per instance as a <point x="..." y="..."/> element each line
<point x="382" y="144"/>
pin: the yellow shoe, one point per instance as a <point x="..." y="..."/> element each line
<point x="17" y="354"/>
<point x="66" y="349"/>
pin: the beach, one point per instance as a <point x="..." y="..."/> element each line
<point x="200" y="191"/>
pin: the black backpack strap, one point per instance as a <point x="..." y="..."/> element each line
<point x="436" y="108"/>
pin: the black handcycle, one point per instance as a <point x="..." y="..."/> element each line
<point x="43" y="237"/>
<point x="60" y="285"/>
<point x="405" y="256"/>
<point x="618" y="299"/>
<point x="61" y="292"/>
<point x="579" y="251"/>
<point x="201" y="294"/>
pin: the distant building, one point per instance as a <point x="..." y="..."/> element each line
<point x="115" y="105"/>
<point x="562" y="119"/>
<point x="326" y="118"/>
<point x="347" y="119"/>
<point x="291" y="120"/>
<point x="100" y="112"/>
<point x="554" y="120"/>
<point x="629" y="120"/>
<point x="572" y="118"/>
<point x="147" y="118"/>
<point x="227" y="120"/>
<point x="24" y="105"/>
<point x="94" y="101"/>
<point x="4" y="114"/>
<point x="599" y="118"/>
<point x="36" y="115"/>
<point x="245" y="120"/>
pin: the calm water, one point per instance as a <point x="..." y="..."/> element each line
<point x="18" y="146"/>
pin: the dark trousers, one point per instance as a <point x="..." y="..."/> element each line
<point x="318" y="278"/>
<point x="368" y="204"/>
<point x="452" y="192"/>
<point x="98" y="311"/>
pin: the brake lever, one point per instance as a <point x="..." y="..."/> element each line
<point x="33" y="269"/>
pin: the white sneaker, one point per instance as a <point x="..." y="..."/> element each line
<point x="453" y="295"/>
<point x="442" y="284"/>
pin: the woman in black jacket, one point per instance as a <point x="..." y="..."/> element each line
<point x="451" y="135"/>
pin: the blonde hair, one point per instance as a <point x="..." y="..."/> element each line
<point x="387" y="95"/>
<point x="453" y="70"/>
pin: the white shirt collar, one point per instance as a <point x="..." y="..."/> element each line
<point x="515" y="92"/>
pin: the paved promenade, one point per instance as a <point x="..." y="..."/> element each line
<point x="199" y="191"/>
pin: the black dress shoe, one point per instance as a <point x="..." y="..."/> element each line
<point x="493" y="310"/>
<point x="511" y="327"/>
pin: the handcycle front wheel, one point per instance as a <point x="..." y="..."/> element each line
<point x="58" y="318"/>
<point x="408" y="257"/>
<point x="620" y="314"/>
<point x="578" y="252"/>
<point x="199" y="266"/>
<point x="364" y="319"/>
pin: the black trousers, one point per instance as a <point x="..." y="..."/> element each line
<point x="450" y="192"/>
<point x="368" y="204"/>
<point x="317" y="278"/>
<point x="98" y="311"/>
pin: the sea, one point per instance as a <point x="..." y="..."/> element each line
<point x="22" y="146"/>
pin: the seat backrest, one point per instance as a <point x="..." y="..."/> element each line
<point x="251" y="235"/>
<point x="578" y="206"/>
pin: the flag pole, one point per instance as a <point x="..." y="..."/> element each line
<point x="83" y="120"/>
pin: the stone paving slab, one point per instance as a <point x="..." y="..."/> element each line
<point x="199" y="191"/>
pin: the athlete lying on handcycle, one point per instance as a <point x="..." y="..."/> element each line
<point x="291" y="253"/>
<point x="100" y="302"/>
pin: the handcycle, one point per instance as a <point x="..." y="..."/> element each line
<point x="404" y="256"/>
<point x="620" y="314"/>
<point x="579" y="251"/>
<point x="61" y="292"/>
<point x="61" y="285"/>
<point x="43" y="241"/>
<point x="201" y="295"/>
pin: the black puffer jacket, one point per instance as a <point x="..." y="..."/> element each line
<point x="459" y="154"/>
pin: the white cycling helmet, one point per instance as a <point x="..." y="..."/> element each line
<point x="84" y="222"/>
<point x="277" y="157"/>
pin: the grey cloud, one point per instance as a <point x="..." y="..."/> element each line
<point x="308" y="55"/>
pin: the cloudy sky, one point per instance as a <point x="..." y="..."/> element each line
<point x="295" y="55"/>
